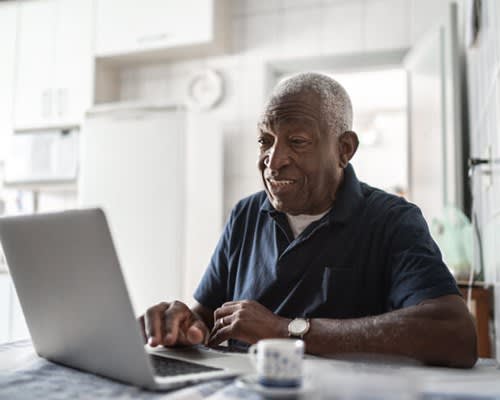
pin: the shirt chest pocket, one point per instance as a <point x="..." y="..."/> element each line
<point x="339" y="292"/>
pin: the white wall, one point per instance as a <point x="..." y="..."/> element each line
<point x="263" y="30"/>
<point x="483" y="73"/>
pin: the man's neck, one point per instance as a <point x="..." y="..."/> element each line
<point x="298" y="223"/>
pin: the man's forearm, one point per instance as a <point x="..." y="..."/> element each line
<point x="437" y="333"/>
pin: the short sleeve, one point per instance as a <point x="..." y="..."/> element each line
<point x="417" y="270"/>
<point x="212" y="289"/>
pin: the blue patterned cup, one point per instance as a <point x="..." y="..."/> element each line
<point x="278" y="362"/>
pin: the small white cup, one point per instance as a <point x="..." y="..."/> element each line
<point x="278" y="362"/>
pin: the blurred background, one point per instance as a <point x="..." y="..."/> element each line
<point x="148" y="109"/>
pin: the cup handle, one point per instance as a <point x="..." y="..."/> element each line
<point x="252" y="353"/>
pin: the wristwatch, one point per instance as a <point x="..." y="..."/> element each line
<point x="298" y="327"/>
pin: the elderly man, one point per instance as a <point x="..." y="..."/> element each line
<point x="319" y="255"/>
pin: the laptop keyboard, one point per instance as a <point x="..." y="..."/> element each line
<point x="170" y="367"/>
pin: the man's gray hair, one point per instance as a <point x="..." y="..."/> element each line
<point x="335" y="104"/>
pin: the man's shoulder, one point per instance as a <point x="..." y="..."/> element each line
<point x="250" y="204"/>
<point x="255" y="199"/>
<point x="380" y="203"/>
<point x="247" y="213"/>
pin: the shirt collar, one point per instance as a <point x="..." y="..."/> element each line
<point x="349" y="197"/>
<point x="268" y="208"/>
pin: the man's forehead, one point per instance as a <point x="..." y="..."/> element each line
<point x="303" y="108"/>
<point x="288" y="123"/>
<point x="303" y="100"/>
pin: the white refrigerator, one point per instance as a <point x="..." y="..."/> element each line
<point x="133" y="165"/>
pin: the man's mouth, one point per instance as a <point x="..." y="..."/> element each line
<point x="278" y="185"/>
<point x="280" y="182"/>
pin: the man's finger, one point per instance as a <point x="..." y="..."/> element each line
<point x="232" y="303"/>
<point x="172" y="323"/>
<point x="159" y="328"/>
<point x="154" y="322"/>
<point x="224" y="311"/>
<point x="175" y="316"/>
<point x="219" y="336"/>
<point x="194" y="335"/>
<point x="197" y="333"/>
<point x="222" y="322"/>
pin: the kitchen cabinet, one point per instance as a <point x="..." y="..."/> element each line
<point x="157" y="26"/>
<point x="482" y="311"/>
<point x="53" y="84"/>
<point x="8" y="15"/>
<point x="73" y="62"/>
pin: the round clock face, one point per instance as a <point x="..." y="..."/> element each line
<point x="298" y="326"/>
<point x="205" y="90"/>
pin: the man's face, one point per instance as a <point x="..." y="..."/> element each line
<point x="298" y="159"/>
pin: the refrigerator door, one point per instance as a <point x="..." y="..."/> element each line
<point x="133" y="166"/>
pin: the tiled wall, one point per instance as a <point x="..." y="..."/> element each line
<point x="483" y="72"/>
<point x="267" y="30"/>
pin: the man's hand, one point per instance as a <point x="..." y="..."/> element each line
<point x="172" y="324"/>
<point x="247" y="321"/>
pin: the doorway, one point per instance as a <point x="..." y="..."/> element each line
<point x="380" y="120"/>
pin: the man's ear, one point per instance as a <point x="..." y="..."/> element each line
<point x="348" y="144"/>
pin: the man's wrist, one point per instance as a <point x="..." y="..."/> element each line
<point x="282" y="328"/>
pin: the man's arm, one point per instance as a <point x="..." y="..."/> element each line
<point x="439" y="331"/>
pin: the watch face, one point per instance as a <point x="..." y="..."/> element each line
<point x="298" y="326"/>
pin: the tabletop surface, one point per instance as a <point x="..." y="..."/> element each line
<point x="24" y="375"/>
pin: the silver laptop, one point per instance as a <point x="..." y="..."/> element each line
<point x="73" y="295"/>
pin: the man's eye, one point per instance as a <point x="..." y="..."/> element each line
<point x="263" y="141"/>
<point x="298" y="142"/>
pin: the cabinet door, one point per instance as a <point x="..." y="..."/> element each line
<point x="5" y="310"/>
<point x="152" y="25"/>
<point x="35" y="63"/>
<point x="7" y="44"/>
<point x="72" y="84"/>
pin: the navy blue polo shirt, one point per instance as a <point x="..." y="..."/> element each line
<point x="370" y="254"/>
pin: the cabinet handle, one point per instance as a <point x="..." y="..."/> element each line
<point x="153" y="38"/>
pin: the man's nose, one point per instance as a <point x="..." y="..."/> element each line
<point x="278" y="156"/>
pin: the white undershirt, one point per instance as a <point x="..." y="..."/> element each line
<point x="300" y="222"/>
